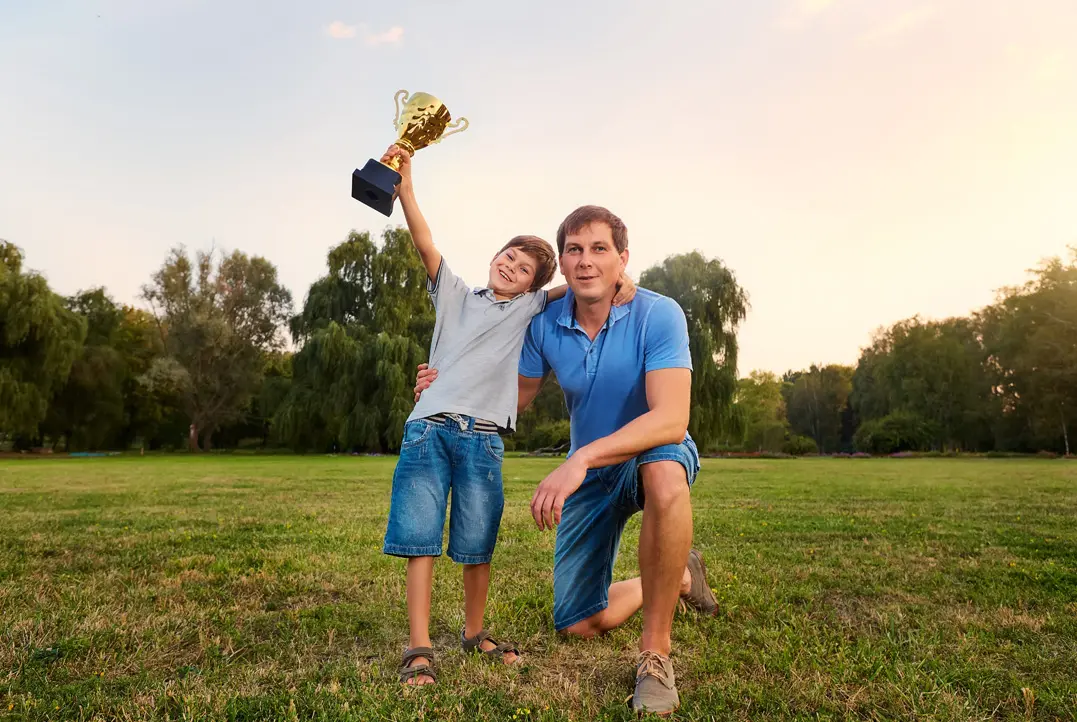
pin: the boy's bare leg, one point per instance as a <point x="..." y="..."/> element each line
<point x="420" y="584"/>
<point x="476" y="586"/>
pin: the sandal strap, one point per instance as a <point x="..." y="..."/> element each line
<point x="414" y="653"/>
<point x="472" y="644"/>
<point x="416" y="671"/>
<point x="423" y="669"/>
<point x="502" y="649"/>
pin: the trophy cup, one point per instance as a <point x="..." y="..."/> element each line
<point x="424" y="121"/>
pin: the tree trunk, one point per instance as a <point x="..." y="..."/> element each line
<point x="1065" y="433"/>
<point x="192" y="438"/>
<point x="207" y="440"/>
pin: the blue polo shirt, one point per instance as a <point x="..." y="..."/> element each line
<point x="604" y="379"/>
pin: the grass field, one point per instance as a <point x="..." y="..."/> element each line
<point x="254" y="588"/>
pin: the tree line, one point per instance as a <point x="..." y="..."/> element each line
<point x="1002" y="379"/>
<point x="219" y="357"/>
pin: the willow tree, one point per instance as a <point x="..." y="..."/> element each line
<point x="364" y="327"/>
<point x="714" y="305"/>
<point x="39" y="341"/>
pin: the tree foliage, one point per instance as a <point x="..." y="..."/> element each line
<point x="39" y="342"/>
<point x="816" y="402"/>
<point x="105" y="402"/>
<point x="933" y="370"/>
<point x="1030" y="340"/>
<point x="762" y="408"/>
<point x="714" y="305"/>
<point x="364" y="328"/>
<point x="217" y="320"/>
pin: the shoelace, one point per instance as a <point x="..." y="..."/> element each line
<point x="651" y="665"/>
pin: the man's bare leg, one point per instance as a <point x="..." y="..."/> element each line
<point x="664" y="542"/>
<point x="667" y="518"/>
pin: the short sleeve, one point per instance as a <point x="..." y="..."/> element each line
<point x="532" y="363"/>
<point x="538" y="302"/>
<point x="447" y="287"/>
<point x="666" y="338"/>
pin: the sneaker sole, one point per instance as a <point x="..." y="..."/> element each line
<point x="706" y="584"/>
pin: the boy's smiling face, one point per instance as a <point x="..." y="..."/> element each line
<point x="512" y="272"/>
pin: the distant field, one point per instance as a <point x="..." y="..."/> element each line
<point x="254" y="588"/>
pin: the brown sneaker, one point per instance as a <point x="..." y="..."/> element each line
<point x="656" y="688"/>
<point x="699" y="596"/>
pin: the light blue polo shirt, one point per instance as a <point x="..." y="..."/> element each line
<point x="604" y="379"/>
<point x="476" y="340"/>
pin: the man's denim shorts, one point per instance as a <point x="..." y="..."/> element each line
<point x="590" y="530"/>
<point x="436" y="457"/>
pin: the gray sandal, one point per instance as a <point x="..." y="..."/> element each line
<point x="419" y="670"/>
<point x="473" y="646"/>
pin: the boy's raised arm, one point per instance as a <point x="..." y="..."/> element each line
<point x="420" y="231"/>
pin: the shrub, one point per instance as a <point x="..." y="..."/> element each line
<point x="900" y="431"/>
<point x="800" y="446"/>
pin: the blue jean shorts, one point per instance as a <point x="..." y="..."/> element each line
<point x="437" y="457"/>
<point x="590" y="530"/>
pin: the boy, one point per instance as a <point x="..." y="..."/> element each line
<point x="451" y="439"/>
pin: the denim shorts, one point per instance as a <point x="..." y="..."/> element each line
<point x="437" y="457"/>
<point x="590" y="530"/>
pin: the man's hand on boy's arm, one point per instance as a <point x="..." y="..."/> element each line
<point x="423" y="379"/>
<point x="420" y="231"/>
<point x="626" y="291"/>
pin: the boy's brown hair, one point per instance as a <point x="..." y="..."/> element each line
<point x="541" y="251"/>
<point x="585" y="216"/>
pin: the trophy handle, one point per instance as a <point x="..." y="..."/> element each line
<point x="454" y="127"/>
<point x="396" y="101"/>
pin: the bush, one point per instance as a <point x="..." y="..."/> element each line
<point x="800" y="446"/>
<point x="552" y="433"/>
<point x="901" y="431"/>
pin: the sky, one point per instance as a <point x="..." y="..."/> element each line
<point x="854" y="162"/>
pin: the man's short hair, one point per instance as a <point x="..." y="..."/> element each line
<point x="541" y="251"/>
<point x="584" y="216"/>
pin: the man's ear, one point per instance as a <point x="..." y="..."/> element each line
<point x="624" y="259"/>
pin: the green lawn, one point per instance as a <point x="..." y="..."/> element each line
<point x="254" y="588"/>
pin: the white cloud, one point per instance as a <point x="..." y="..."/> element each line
<point x="342" y="31"/>
<point x="901" y="24"/>
<point x="339" y="30"/>
<point x="391" y="36"/>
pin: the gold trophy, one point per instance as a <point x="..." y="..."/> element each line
<point x="425" y="120"/>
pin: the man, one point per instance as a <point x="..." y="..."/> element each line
<point x="627" y="376"/>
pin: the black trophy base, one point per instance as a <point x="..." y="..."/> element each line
<point x="375" y="185"/>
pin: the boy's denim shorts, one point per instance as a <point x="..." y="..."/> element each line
<point x="590" y="530"/>
<point x="436" y="457"/>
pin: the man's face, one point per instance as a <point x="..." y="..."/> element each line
<point x="512" y="272"/>
<point x="591" y="263"/>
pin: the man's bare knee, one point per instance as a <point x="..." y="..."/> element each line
<point x="665" y="484"/>
<point x="585" y="628"/>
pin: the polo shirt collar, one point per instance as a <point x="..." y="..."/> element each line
<point x="568" y="312"/>
<point x="489" y="293"/>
